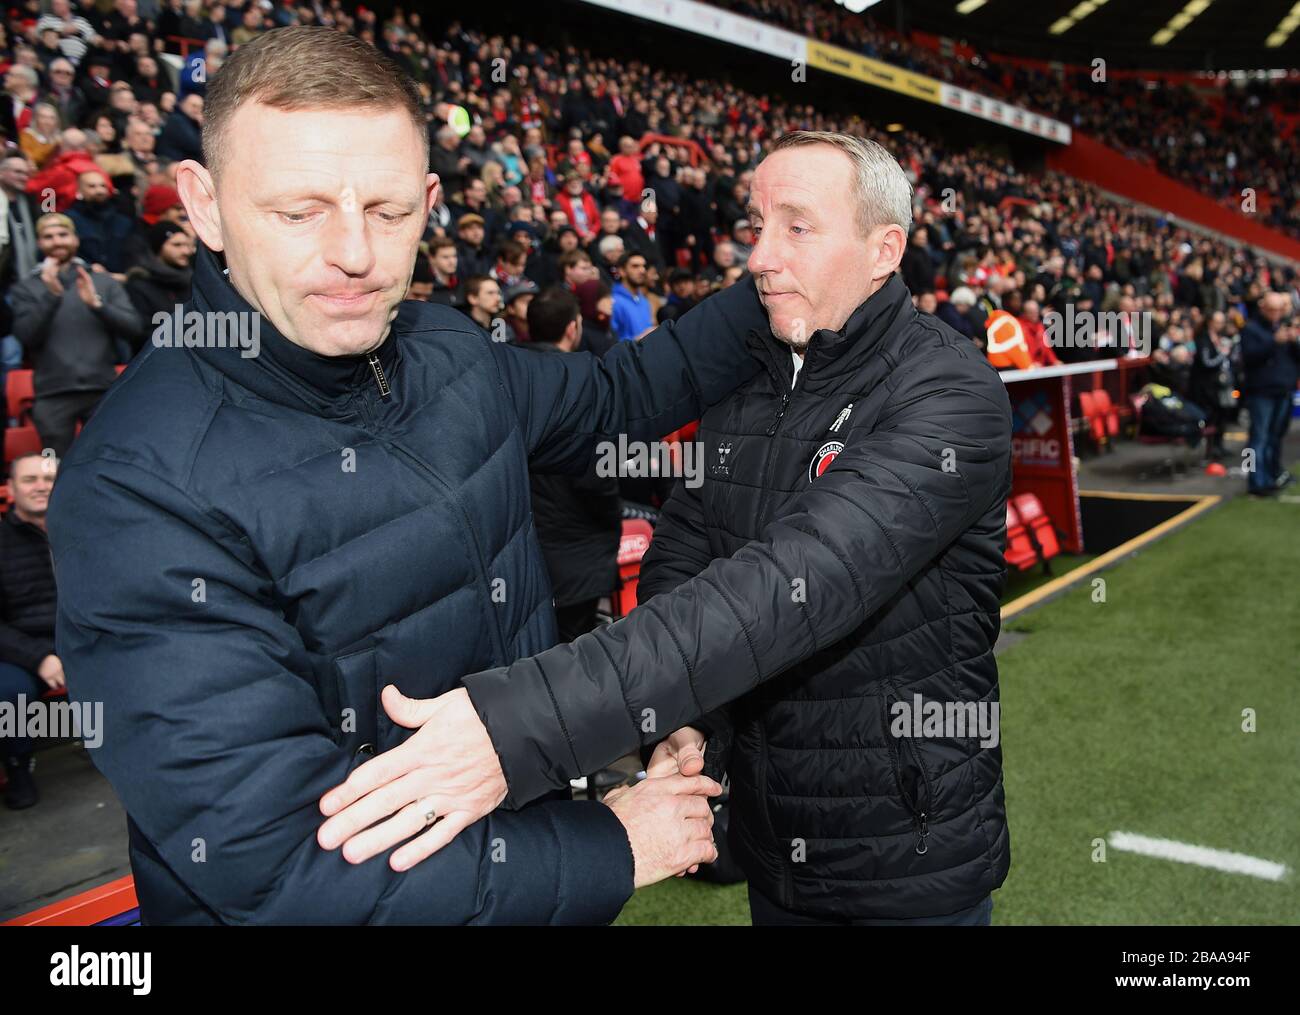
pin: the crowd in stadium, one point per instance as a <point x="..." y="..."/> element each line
<point x="621" y="182"/>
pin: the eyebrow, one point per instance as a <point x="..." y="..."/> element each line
<point x="798" y="210"/>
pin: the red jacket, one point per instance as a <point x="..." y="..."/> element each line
<point x="589" y="209"/>
<point x="60" y="176"/>
<point x="1039" y="351"/>
<point x="627" y="170"/>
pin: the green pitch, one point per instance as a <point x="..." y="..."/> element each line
<point x="1126" y="715"/>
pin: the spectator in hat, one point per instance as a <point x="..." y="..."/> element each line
<point x="517" y="299"/>
<point x="742" y="239"/>
<point x="161" y="204"/>
<point x="103" y="231"/>
<point x="163" y="282"/>
<point x="471" y="247"/>
<point x="955" y="312"/>
<point x="597" y="305"/>
<point x="443" y="263"/>
<point x="681" y="295"/>
<point x="68" y="318"/>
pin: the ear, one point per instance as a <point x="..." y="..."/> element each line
<point x="892" y="241"/>
<point x="432" y="191"/>
<point x="199" y="196"/>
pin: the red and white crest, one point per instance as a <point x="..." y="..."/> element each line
<point x="822" y="459"/>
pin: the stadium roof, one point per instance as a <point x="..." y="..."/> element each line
<point x="1198" y="34"/>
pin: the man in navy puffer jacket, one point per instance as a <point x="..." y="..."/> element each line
<point x="306" y="490"/>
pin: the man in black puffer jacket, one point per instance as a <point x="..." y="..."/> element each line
<point x="836" y="578"/>
<point x="579" y="518"/>
<point x="163" y="281"/>
<point x="260" y="543"/>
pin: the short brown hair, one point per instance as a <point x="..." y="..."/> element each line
<point x="305" y="67"/>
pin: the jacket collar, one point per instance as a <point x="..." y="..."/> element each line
<point x="283" y="372"/>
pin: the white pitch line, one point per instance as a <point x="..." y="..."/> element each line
<point x="1201" y="856"/>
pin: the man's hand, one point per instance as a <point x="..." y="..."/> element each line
<point x="50" y="276"/>
<point x="448" y="768"/>
<point x="51" y="671"/>
<point x="669" y="823"/>
<point x="86" y="289"/>
<point x="682" y="753"/>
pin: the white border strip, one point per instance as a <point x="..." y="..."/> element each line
<point x="1200" y="856"/>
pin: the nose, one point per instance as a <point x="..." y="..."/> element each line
<point x="765" y="257"/>
<point x="346" y="241"/>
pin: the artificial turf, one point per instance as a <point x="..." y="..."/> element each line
<point x="1126" y="715"/>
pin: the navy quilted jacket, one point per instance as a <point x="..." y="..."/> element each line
<point x="248" y="549"/>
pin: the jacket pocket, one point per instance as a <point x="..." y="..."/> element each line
<point x="910" y="776"/>
<point x="358" y="698"/>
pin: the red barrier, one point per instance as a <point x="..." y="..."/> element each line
<point x="84" y="910"/>
<point x="1090" y="160"/>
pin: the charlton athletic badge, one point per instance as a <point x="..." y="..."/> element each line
<point x="822" y="460"/>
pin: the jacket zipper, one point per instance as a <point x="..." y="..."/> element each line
<point x="775" y="428"/>
<point x="377" y="369"/>
<point x="920" y="811"/>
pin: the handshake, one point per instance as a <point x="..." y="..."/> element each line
<point x="449" y="769"/>
<point x="667" y="816"/>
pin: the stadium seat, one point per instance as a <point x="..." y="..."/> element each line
<point x="1020" y="551"/>
<point x="631" y="548"/>
<point x="20" y="394"/>
<point x="1106" y="411"/>
<point x="21" y="440"/>
<point x="1031" y="536"/>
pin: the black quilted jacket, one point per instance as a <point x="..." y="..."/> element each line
<point x="844" y="553"/>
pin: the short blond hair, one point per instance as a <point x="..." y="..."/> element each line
<point x="305" y="67"/>
<point x="883" y="191"/>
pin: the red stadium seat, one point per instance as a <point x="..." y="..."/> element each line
<point x="1039" y="527"/>
<point x="1096" y="426"/>
<point x="637" y="533"/>
<point x="21" y="440"/>
<point x="20" y="394"/>
<point x="1020" y="551"/>
<point x="1106" y="411"/>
